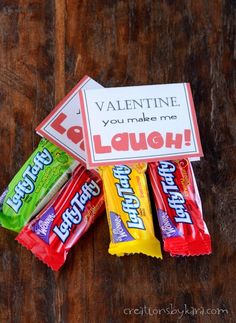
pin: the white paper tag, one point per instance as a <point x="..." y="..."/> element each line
<point x="63" y="126"/>
<point x="139" y="123"/>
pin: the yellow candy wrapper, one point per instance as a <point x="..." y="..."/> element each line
<point x="129" y="211"/>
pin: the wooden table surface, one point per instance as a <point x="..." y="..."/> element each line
<point x="46" y="47"/>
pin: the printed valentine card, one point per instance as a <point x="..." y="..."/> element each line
<point x="63" y="126"/>
<point x="139" y="123"/>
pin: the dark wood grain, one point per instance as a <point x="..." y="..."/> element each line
<point x="45" y="48"/>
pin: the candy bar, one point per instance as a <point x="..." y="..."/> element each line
<point x="179" y="208"/>
<point x="36" y="182"/>
<point x="128" y="210"/>
<point x="65" y="219"/>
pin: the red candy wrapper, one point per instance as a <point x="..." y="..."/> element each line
<point x="65" y="218"/>
<point x="179" y="208"/>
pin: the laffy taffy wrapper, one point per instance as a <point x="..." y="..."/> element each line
<point x="65" y="219"/>
<point x="179" y="208"/>
<point x="42" y="175"/>
<point x="128" y="210"/>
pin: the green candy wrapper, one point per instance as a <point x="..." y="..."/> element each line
<point x="42" y="175"/>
